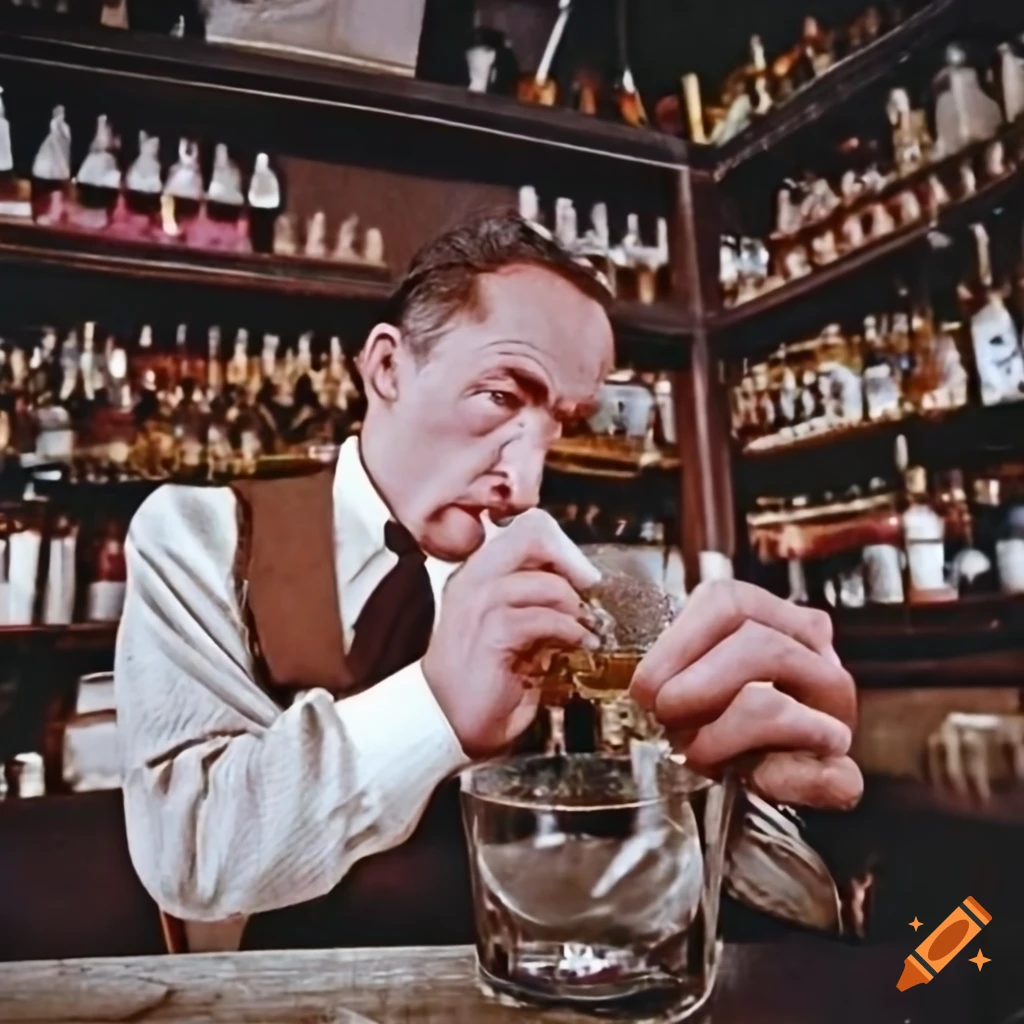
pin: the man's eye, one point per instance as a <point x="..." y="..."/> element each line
<point x="504" y="399"/>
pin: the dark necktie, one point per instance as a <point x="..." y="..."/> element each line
<point x="394" y="627"/>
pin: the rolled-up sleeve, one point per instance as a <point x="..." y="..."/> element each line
<point x="232" y="805"/>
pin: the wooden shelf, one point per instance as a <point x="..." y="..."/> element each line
<point x="976" y="641"/>
<point x="840" y="270"/>
<point x="207" y="71"/>
<point x="79" y="638"/>
<point x="982" y="615"/>
<point x="987" y="669"/>
<point x="654" y="337"/>
<point x="581" y="460"/>
<point x="972" y="437"/>
<point x="26" y="243"/>
<point x="840" y="83"/>
<point x="741" y="329"/>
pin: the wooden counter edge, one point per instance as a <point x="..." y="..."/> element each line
<point x="349" y="986"/>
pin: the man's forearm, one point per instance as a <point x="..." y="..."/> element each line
<point x="240" y="824"/>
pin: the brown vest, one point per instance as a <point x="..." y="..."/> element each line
<point x="417" y="893"/>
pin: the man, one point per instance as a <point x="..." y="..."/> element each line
<point x="264" y="772"/>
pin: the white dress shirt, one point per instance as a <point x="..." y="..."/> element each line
<point x="234" y="806"/>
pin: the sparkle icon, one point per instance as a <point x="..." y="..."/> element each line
<point x="915" y="924"/>
<point x="980" y="960"/>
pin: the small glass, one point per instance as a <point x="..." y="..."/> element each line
<point x="631" y="610"/>
<point x="596" y="881"/>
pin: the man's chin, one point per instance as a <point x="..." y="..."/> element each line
<point x="454" y="536"/>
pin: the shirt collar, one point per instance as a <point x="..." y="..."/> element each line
<point x="360" y="513"/>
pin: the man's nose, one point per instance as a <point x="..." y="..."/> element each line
<point x="523" y="468"/>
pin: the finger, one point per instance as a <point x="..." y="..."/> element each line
<point x="795" y="778"/>
<point x="529" y="627"/>
<point x="533" y="589"/>
<point x="762" y="718"/>
<point x="754" y="652"/>
<point x="522" y="718"/>
<point x="712" y="612"/>
<point x="533" y="541"/>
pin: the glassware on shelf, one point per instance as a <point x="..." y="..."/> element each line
<point x="964" y="113"/>
<point x="1011" y="80"/>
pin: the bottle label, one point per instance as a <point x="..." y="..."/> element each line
<point x="105" y="601"/>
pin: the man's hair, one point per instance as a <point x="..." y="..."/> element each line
<point x="441" y="280"/>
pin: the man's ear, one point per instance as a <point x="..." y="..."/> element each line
<point x="378" y="362"/>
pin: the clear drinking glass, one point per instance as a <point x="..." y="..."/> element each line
<point x="596" y="880"/>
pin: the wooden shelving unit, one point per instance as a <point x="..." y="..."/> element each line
<point x="747" y="328"/>
<point x="841" y="83"/>
<point x="392" y="104"/>
<point x="973" y="642"/>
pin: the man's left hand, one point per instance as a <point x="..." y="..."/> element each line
<point x="708" y="677"/>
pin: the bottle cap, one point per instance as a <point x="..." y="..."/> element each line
<point x="917" y="480"/>
<point x="987" y="491"/>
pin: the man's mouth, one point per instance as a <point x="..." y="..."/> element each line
<point x="499" y="515"/>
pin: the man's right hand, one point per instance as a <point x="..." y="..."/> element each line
<point x="520" y="592"/>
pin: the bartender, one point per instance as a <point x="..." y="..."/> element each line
<point x="304" y="664"/>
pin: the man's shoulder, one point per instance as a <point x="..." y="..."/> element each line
<point x="176" y="512"/>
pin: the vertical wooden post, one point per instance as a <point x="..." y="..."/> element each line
<point x="706" y="499"/>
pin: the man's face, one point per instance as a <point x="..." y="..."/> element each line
<point x="467" y="429"/>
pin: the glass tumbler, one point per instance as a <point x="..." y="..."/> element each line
<point x="596" y="881"/>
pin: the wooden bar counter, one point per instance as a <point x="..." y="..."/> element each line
<point x="798" y="981"/>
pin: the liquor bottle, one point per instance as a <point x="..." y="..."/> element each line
<point x="898" y="344"/>
<point x="1010" y="548"/>
<point x="218" y="444"/>
<point x="972" y="571"/>
<point x="924" y="535"/>
<point x="625" y="258"/>
<point x="566" y="228"/>
<point x="882" y="386"/>
<point x="190" y="429"/>
<point x="666" y="412"/>
<point x="82" y="405"/>
<point x="787" y="411"/>
<point x="116" y="424"/>
<point x="939" y="379"/>
<point x="1011" y="81"/>
<point x="108" y="576"/>
<point x="767" y="408"/>
<point x="55" y="379"/>
<point x="238" y="366"/>
<point x="595" y="245"/>
<point x="694" y="109"/>
<point x="998" y="355"/>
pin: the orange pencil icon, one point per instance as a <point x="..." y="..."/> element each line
<point x="943" y="944"/>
